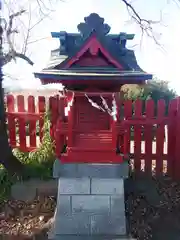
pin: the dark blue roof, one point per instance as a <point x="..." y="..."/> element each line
<point x="114" y="44"/>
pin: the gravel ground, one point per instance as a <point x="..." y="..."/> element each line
<point x="152" y="208"/>
<point x="26" y="220"/>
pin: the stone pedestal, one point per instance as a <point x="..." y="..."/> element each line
<point x="90" y="201"/>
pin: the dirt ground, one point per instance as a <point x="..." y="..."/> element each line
<point x="26" y="220"/>
<point x="153" y="208"/>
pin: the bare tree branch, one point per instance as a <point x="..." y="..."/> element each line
<point x="28" y="32"/>
<point x="12" y="53"/>
<point x="45" y="8"/>
<point x="25" y="28"/>
<point x="145" y="25"/>
<point x="37" y="40"/>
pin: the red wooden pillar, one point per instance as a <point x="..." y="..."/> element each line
<point x="177" y="143"/>
<point x="114" y="124"/>
<point x="53" y="106"/>
<point x="58" y="127"/>
<point x="70" y="121"/>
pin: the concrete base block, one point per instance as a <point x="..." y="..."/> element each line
<point x="87" y="237"/>
<point x="88" y="206"/>
<point x="90" y="170"/>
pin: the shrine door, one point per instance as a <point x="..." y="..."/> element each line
<point x="91" y="125"/>
<point x="89" y="118"/>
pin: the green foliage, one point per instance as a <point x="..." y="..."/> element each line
<point x="157" y="89"/>
<point x="133" y="92"/>
<point x="38" y="164"/>
<point x="41" y="159"/>
<point x="154" y="89"/>
<point x="6" y="182"/>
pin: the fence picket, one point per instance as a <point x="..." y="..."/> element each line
<point x="160" y="137"/>
<point x="127" y="135"/>
<point x="148" y="136"/>
<point x="42" y="109"/>
<point x="21" y="123"/>
<point x="176" y="172"/>
<point x="32" y="122"/>
<point x="172" y="115"/>
<point x="53" y="105"/>
<point x="137" y="137"/>
<point x="11" y="126"/>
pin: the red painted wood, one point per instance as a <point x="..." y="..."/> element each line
<point x="70" y="127"/>
<point x="70" y="96"/>
<point x="172" y="111"/>
<point x="137" y="136"/>
<point x="147" y="121"/>
<point x="115" y="135"/>
<point x="11" y="120"/>
<point x="176" y="173"/>
<point x="93" y="42"/>
<point x="22" y="122"/>
<point x="92" y="93"/>
<point x="61" y="108"/>
<point x="53" y="106"/>
<point x="60" y="137"/>
<point x="127" y="127"/>
<point x="26" y="115"/>
<point x="94" y="140"/>
<point x="59" y="127"/>
<point x="78" y="155"/>
<point x="97" y="145"/>
<point x="92" y="61"/>
<point x="42" y="110"/>
<point x="148" y="138"/>
<point x="152" y="156"/>
<point x="32" y="122"/>
<point x="160" y="138"/>
<point x="86" y="116"/>
<point x="94" y="48"/>
<point x="111" y="84"/>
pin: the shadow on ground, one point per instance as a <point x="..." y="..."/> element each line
<point x="153" y="208"/>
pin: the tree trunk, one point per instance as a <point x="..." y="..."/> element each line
<point x="10" y="162"/>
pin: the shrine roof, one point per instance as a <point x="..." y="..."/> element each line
<point x="112" y="43"/>
<point x="97" y="73"/>
<point x="63" y="62"/>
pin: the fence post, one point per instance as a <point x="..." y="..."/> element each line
<point x="172" y="116"/>
<point x="177" y="143"/>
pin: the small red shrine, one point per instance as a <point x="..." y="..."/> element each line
<point x="92" y="65"/>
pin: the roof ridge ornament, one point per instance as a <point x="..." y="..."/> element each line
<point x="93" y="23"/>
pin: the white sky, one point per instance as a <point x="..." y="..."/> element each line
<point x="163" y="64"/>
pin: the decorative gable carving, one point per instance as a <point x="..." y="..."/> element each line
<point x="94" y="47"/>
<point x="93" y="23"/>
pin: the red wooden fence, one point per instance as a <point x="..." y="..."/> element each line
<point x="22" y="122"/>
<point x="150" y="152"/>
